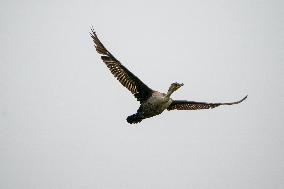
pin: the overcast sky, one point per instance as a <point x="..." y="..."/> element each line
<point x="63" y="115"/>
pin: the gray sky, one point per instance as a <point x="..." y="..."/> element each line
<point x="63" y="115"/>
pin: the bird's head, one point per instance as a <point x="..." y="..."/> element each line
<point x="174" y="86"/>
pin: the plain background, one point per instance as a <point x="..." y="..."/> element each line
<point x="62" y="114"/>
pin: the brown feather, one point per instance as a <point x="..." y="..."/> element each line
<point x="141" y="91"/>
<point x="191" y="105"/>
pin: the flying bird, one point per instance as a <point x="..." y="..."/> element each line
<point x="152" y="102"/>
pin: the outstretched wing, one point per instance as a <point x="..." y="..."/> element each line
<point x="191" y="105"/>
<point x="122" y="74"/>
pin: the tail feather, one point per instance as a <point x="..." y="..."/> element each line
<point x="134" y="119"/>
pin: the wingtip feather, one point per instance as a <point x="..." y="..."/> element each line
<point x="243" y="99"/>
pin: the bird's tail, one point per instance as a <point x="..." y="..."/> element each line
<point x="135" y="118"/>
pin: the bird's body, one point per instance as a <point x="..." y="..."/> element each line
<point x="155" y="105"/>
<point x="152" y="102"/>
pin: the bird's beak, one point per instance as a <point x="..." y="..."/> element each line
<point x="181" y="84"/>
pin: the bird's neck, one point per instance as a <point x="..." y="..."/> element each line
<point x="170" y="92"/>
